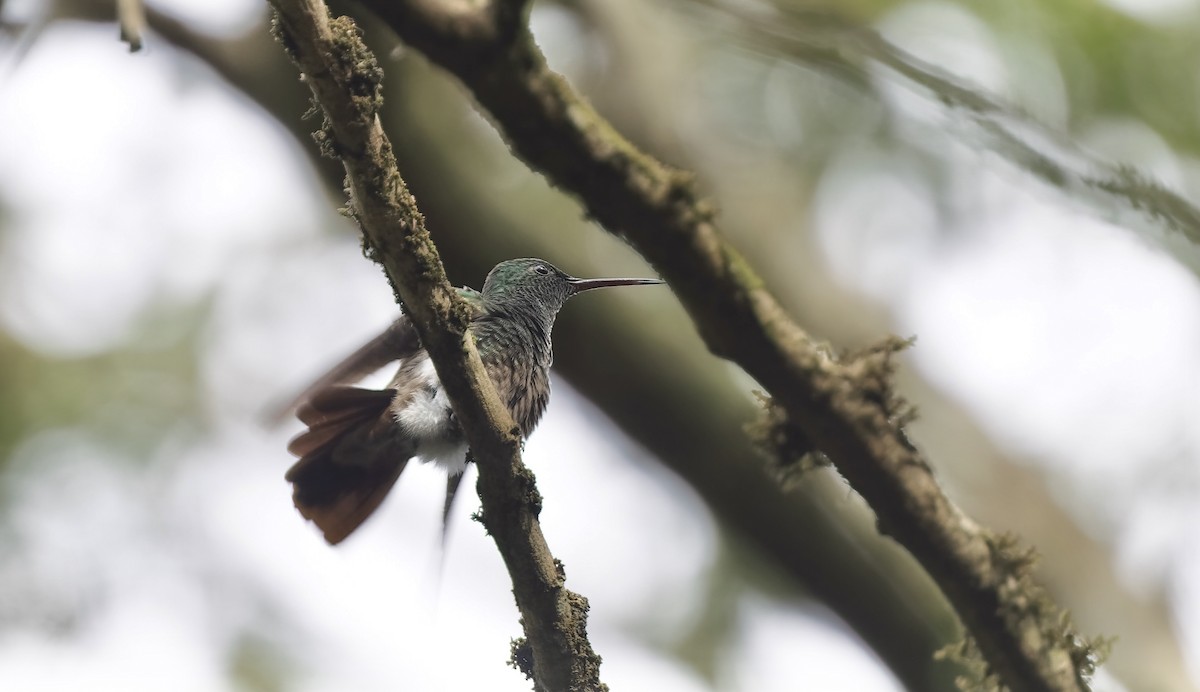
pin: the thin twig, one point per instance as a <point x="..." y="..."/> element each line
<point x="131" y="16"/>
<point x="345" y="80"/>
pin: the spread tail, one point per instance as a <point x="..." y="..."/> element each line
<point x="350" y="457"/>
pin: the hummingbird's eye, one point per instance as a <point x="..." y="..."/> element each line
<point x="542" y="269"/>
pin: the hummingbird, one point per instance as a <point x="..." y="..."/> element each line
<point x="359" y="440"/>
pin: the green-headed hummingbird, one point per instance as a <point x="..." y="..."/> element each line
<point x="359" y="440"/>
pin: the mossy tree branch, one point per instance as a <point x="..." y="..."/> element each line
<point x="844" y="406"/>
<point x="345" y="80"/>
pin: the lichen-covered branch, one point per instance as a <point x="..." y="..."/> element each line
<point x="345" y="80"/>
<point x="845" y="406"/>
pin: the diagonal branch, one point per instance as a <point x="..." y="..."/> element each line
<point x="844" y="407"/>
<point x="345" y="80"/>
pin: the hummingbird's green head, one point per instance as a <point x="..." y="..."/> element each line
<point x="536" y="284"/>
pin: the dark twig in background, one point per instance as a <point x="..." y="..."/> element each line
<point x="131" y="16"/>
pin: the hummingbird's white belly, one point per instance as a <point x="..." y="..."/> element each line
<point x="429" y="420"/>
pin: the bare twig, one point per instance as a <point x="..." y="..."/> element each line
<point x="845" y="407"/>
<point x="345" y="80"/>
<point x="131" y="16"/>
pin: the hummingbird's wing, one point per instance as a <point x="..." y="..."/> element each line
<point x="350" y="457"/>
<point x="397" y="342"/>
<point x="474" y="299"/>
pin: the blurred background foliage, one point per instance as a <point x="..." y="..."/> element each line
<point x="1007" y="181"/>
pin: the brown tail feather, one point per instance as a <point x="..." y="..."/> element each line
<point x="359" y="492"/>
<point x="350" y="457"/>
<point x="337" y="412"/>
<point x="339" y="403"/>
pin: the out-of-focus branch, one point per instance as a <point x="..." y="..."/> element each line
<point x="346" y="82"/>
<point x="131" y="16"/>
<point x="845" y="407"/>
<point x="830" y="43"/>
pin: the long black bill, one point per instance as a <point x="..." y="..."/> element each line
<point x="581" y="285"/>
